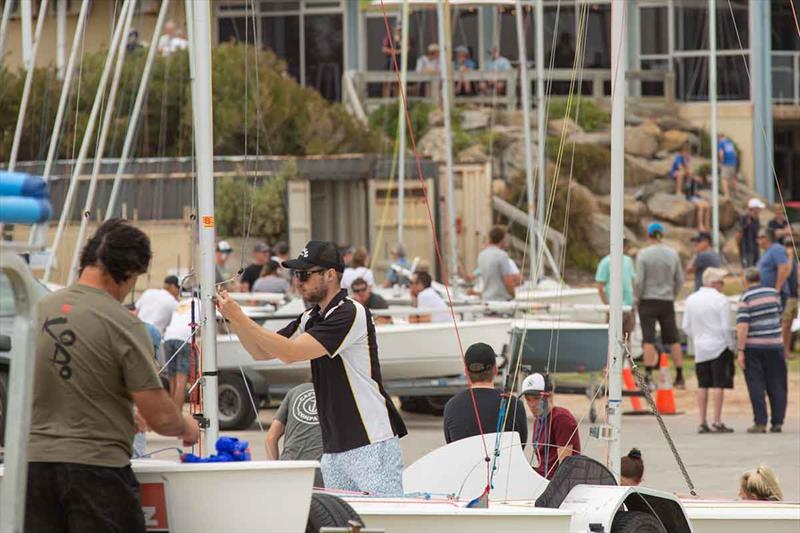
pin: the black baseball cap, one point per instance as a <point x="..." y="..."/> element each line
<point x="702" y="236"/>
<point x="317" y="254"/>
<point x="172" y="280"/>
<point x="479" y="357"/>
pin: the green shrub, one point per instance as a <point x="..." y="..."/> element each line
<point x="591" y="117"/>
<point x="254" y="208"/>
<point x="384" y="119"/>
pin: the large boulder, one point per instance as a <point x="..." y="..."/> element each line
<point x="602" y="138"/>
<point x="600" y="236"/>
<point x="672" y="140"/>
<point x="513" y="118"/>
<point x="432" y="144"/>
<point x="683" y="248"/>
<point x="640" y="171"/>
<point x="727" y="210"/>
<point x="474" y="154"/>
<point x="730" y="250"/>
<point x="642" y="140"/>
<point x="656" y="186"/>
<point x="475" y="118"/>
<point x="673" y="208"/>
<point x="669" y="121"/>
<point x="557" y="126"/>
<point x="634" y="210"/>
<point x="513" y="156"/>
<point x="673" y="232"/>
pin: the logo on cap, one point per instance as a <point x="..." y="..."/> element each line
<point x="304" y="253"/>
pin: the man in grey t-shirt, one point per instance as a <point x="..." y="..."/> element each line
<point x="495" y="268"/>
<point x="297" y="422"/>
<point x="659" y="280"/>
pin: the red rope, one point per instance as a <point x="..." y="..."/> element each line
<point x="437" y="248"/>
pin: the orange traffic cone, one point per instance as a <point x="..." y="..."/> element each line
<point x="665" y="396"/>
<point x="630" y="385"/>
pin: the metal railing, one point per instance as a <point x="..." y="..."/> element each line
<point x="371" y="89"/>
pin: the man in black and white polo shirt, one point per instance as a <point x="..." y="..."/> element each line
<point x="360" y="425"/>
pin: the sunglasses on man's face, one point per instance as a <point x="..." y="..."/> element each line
<point x="358" y="291"/>
<point x="304" y="275"/>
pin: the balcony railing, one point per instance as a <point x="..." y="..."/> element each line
<point x="367" y="90"/>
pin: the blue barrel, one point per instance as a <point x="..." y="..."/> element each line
<point x="19" y="210"/>
<point x="19" y="184"/>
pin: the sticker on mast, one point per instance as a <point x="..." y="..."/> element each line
<point x="208" y="222"/>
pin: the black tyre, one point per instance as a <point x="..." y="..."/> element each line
<point x="3" y="405"/>
<point x="434" y="405"/>
<point x="636" y="522"/>
<point x="329" y="511"/>
<point x="235" y="409"/>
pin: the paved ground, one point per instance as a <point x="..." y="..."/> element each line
<point x="714" y="462"/>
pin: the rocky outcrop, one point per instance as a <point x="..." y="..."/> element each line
<point x="727" y="211"/>
<point x="474" y="154"/>
<point x="673" y="208"/>
<point x="557" y="127"/>
<point x="432" y="144"/>
<point x="642" y="140"/>
<point x="475" y="118"/>
<point x="672" y="140"/>
<point x="634" y="210"/>
<point x="601" y="138"/>
<point x="641" y="171"/>
<point x="599" y="237"/>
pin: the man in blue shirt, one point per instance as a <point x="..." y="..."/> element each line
<point x="729" y="161"/>
<point x="603" y="281"/>
<point x="680" y="170"/>
<point x="496" y="64"/>
<point x="773" y="266"/>
<point x="705" y="257"/>
<point x="463" y="63"/>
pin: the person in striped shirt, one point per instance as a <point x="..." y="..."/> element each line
<point x="759" y="350"/>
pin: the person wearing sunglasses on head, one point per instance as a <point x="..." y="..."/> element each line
<point x="360" y="425"/>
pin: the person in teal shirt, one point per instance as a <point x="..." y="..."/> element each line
<point x="603" y="279"/>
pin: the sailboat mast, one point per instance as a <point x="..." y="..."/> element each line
<point x="619" y="66"/>
<point x="202" y="113"/>
<point x="541" y="123"/>
<point x="526" y="131"/>
<point x="712" y="101"/>
<point x="401" y="123"/>
<point x="442" y="8"/>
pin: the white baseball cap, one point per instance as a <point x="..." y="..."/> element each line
<point x="224" y="246"/>
<point x="536" y="384"/>
<point x="755" y="203"/>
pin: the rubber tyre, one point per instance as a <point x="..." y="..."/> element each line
<point x="3" y="405"/>
<point x="411" y="404"/>
<point x="329" y="511"/>
<point x="235" y="410"/>
<point x="636" y="522"/>
<point x="434" y="405"/>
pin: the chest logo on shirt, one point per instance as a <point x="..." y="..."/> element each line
<point x="62" y="339"/>
<point x="304" y="408"/>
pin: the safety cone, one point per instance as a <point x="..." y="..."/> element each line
<point x="665" y="396"/>
<point x="630" y="386"/>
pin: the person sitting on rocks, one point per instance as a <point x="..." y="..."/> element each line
<point x="690" y="184"/>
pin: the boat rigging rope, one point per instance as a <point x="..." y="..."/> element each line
<point x="436" y="244"/>
<point x="794" y="15"/>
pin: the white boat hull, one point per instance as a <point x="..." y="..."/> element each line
<point x="743" y="516"/>
<point x="407" y="351"/>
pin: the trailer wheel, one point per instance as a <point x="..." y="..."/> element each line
<point x="636" y="522"/>
<point x="329" y="511"/>
<point x="235" y="409"/>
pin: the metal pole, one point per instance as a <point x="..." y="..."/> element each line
<point x="541" y="123"/>
<point x="712" y="100"/>
<point x="88" y="137"/>
<point x="133" y="120"/>
<point x="188" y="6"/>
<point x="101" y="146"/>
<point x="26" y="90"/>
<point x="26" y="11"/>
<point x="618" y="65"/>
<point x="525" y="91"/>
<point x="4" y="27"/>
<point x="442" y="7"/>
<point x="203" y="137"/>
<point x="62" y="106"/>
<point x="401" y="124"/>
<point x="61" y="37"/>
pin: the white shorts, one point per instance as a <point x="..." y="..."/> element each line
<point x="376" y="469"/>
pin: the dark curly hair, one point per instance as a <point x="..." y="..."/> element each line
<point x="119" y="248"/>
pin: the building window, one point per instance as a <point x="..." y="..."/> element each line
<point x="324" y="54"/>
<point x="281" y="34"/>
<point x="653" y="30"/>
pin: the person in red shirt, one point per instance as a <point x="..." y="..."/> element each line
<point x="555" y="430"/>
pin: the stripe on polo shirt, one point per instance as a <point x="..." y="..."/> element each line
<point x="760" y="309"/>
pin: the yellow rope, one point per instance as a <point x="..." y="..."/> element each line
<point x="385" y="213"/>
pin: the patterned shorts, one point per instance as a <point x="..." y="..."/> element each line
<point x="375" y="468"/>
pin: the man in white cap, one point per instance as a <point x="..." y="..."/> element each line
<point x="707" y="321"/>
<point x="747" y="233"/>
<point x="223" y="252"/>
<point x="555" y="430"/>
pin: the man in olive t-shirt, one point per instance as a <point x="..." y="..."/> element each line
<point x="94" y="362"/>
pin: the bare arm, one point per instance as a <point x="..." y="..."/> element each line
<point x="601" y="290"/>
<point x="276" y="430"/>
<point x="784" y="271"/>
<point x="265" y="344"/>
<point x="163" y="417"/>
<point x="510" y="282"/>
<point x="741" y="338"/>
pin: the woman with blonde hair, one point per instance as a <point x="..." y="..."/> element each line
<point x="760" y="484"/>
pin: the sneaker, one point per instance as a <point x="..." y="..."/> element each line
<point x="721" y="428"/>
<point x="679" y="384"/>
<point x="776" y="428"/>
<point x="757" y="428"/>
<point x="703" y="428"/>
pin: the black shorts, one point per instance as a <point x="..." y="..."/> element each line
<point x="717" y="373"/>
<point x="663" y="312"/>
<point x="75" y="497"/>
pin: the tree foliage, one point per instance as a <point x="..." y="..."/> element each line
<point x="256" y="110"/>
